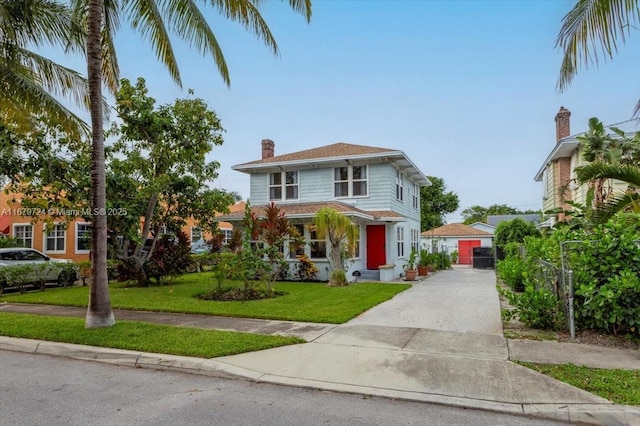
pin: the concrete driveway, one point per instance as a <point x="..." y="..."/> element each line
<point x="460" y="300"/>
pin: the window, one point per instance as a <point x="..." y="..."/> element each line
<point x="400" y="240"/>
<point x="83" y="235"/>
<point x="415" y="240"/>
<point x="350" y="181"/>
<point x="416" y="195"/>
<point x="55" y="238"/>
<point x="24" y="235"/>
<point x="356" y="247"/>
<point x="400" y="186"/>
<point x="196" y="235"/>
<point x="318" y="247"/>
<point x="283" y="183"/>
<point x="294" y="249"/>
<point x="227" y="233"/>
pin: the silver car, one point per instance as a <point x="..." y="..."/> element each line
<point x="42" y="268"/>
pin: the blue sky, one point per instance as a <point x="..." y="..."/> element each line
<point x="465" y="88"/>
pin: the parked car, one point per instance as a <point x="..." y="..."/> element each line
<point x="44" y="268"/>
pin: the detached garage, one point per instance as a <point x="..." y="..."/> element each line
<point x="456" y="237"/>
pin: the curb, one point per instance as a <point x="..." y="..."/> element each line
<point x="600" y="414"/>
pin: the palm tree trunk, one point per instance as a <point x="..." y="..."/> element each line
<point x="99" y="312"/>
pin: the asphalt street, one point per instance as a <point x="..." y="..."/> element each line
<point x="39" y="390"/>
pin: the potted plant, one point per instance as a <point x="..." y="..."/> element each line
<point x="423" y="263"/>
<point x="410" y="271"/>
<point x="432" y="262"/>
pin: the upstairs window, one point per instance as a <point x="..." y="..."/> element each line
<point x="350" y="181"/>
<point x="399" y="186"/>
<point x="283" y="186"/>
<point x="416" y="195"/>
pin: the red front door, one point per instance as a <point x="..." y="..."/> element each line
<point x="376" y="251"/>
<point x="465" y="251"/>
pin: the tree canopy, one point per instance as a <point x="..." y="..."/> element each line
<point x="477" y="213"/>
<point x="435" y="203"/>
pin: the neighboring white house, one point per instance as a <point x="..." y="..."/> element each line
<point x="378" y="188"/>
<point x="456" y="237"/>
<point x="557" y="173"/>
<point x="484" y="227"/>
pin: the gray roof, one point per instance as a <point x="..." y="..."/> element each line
<point x="494" y="220"/>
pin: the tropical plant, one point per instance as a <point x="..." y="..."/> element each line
<point x="150" y="19"/>
<point x="593" y="27"/>
<point x="412" y="260"/>
<point x="342" y="234"/>
<point x="31" y="83"/>
<point x="305" y="269"/>
<point x="628" y="200"/>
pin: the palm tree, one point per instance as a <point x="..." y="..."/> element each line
<point x="342" y="233"/>
<point x="592" y="28"/>
<point x="30" y="83"/>
<point x="152" y="19"/>
<point x="628" y="200"/>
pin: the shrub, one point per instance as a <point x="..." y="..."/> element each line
<point x="305" y="269"/>
<point x="511" y="272"/>
<point x="443" y="261"/>
<point x="513" y="231"/>
<point x="454" y="256"/>
<point x="171" y="257"/>
<point x="536" y="308"/>
<point x="607" y="271"/>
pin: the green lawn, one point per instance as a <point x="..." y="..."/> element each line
<point x="619" y="386"/>
<point x="139" y="336"/>
<point x="312" y="302"/>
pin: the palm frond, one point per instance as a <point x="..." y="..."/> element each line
<point x="22" y="99"/>
<point x="186" y="19"/>
<point x="625" y="201"/>
<point x="627" y="173"/>
<point x="592" y="29"/>
<point x="147" y="18"/>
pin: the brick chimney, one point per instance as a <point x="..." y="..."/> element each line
<point x="268" y="148"/>
<point x="563" y="127"/>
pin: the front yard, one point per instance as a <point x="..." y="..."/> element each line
<point x="308" y="302"/>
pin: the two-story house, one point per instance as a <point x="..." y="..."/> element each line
<point x="377" y="188"/>
<point x="557" y="172"/>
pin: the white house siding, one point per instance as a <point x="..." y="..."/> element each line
<point x="550" y="193"/>
<point x="259" y="189"/>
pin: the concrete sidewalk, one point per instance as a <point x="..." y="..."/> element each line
<point x="399" y="349"/>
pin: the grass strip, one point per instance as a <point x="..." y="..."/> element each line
<point x="139" y="336"/>
<point x="619" y="386"/>
<point x="309" y="302"/>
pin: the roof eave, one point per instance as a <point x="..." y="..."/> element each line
<point x="416" y="175"/>
<point x="570" y="143"/>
